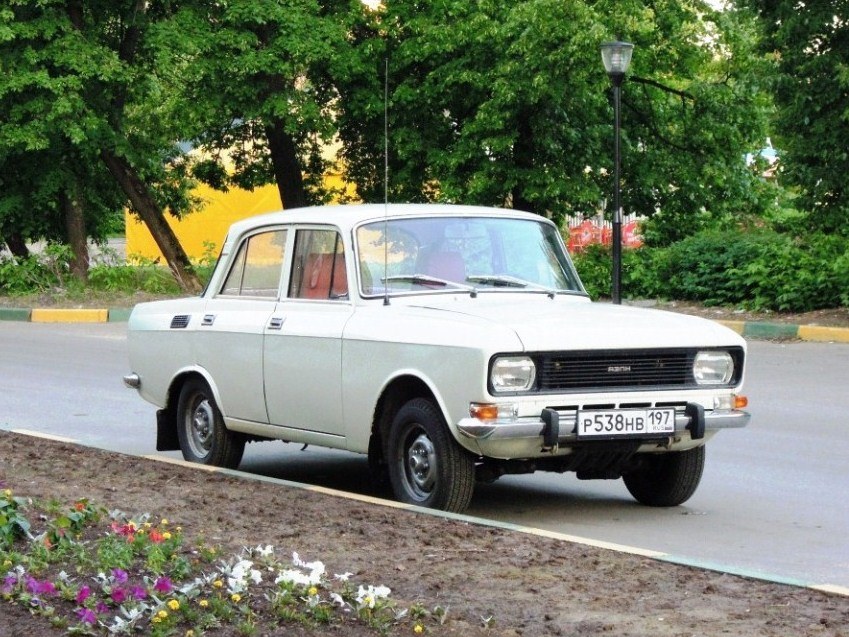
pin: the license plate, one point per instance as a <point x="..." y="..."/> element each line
<point x="625" y="423"/>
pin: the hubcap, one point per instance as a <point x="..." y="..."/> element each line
<point x="421" y="466"/>
<point x="200" y="427"/>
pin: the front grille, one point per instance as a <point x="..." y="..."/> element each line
<point x="624" y="371"/>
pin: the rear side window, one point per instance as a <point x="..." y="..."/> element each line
<point x="318" y="266"/>
<point x="257" y="266"/>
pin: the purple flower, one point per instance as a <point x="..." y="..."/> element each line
<point x="8" y="584"/>
<point x="163" y="585"/>
<point x="40" y="588"/>
<point x="119" y="595"/>
<point x="83" y="594"/>
<point x="138" y="593"/>
<point x="87" y="616"/>
<point x="120" y="575"/>
<point x="101" y="608"/>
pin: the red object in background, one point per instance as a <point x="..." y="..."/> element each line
<point x="583" y="235"/>
<point x="631" y="235"/>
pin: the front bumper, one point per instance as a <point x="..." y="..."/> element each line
<point x="553" y="432"/>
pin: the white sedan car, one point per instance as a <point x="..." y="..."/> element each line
<point x="452" y="344"/>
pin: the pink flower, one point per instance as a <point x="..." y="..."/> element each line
<point x="83" y="594"/>
<point x="163" y="585"/>
<point x="120" y="575"/>
<point x="119" y="595"/>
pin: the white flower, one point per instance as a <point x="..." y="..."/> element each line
<point x="336" y="598"/>
<point x="369" y="596"/>
<point x="266" y="551"/>
<point x="587" y="170"/>
<point x="344" y="577"/>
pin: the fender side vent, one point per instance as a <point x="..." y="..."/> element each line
<point x="180" y="321"/>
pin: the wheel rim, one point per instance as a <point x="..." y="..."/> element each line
<point x="420" y="465"/>
<point x="200" y="422"/>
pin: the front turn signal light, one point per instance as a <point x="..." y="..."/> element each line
<point x="740" y="402"/>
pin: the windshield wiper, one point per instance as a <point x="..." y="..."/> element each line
<point x="507" y="281"/>
<point x="426" y="279"/>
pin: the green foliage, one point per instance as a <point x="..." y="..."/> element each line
<point x="759" y="270"/>
<point x="13" y="523"/>
<point x="808" y="43"/>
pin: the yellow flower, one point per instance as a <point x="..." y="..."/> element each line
<point x="164" y="522"/>
<point x="203" y="603"/>
<point x="190" y="633"/>
<point x="7" y="564"/>
<point x="218" y="583"/>
<point x="312" y="591"/>
<point x="162" y="614"/>
<point x="166" y="536"/>
<point x="7" y="493"/>
<point x="174" y="604"/>
<point x="156" y="620"/>
<point x="418" y="629"/>
<point x="236" y="598"/>
<point x="147" y="525"/>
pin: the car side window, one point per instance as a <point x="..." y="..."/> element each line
<point x="257" y="266"/>
<point x="318" y="266"/>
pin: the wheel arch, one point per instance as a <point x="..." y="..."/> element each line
<point x="166" y="418"/>
<point x="399" y="391"/>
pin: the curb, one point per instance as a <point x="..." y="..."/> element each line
<point x="756" y="330"/>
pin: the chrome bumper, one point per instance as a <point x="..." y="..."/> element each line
<point x="529" y="437"/>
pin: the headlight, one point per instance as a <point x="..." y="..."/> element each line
<point x="713" y="368"/>
<point x="513" y="373"/>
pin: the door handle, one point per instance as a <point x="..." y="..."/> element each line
<point x="208" y="319"/>
<point x="276" y="323"/>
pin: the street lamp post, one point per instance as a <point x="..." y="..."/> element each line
<point x="616" y="57"/>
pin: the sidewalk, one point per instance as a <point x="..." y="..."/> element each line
<point x="757" y="330"/>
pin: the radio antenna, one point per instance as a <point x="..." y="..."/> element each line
<point x="385" y="181"/>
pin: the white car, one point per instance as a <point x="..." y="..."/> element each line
<point x="452" y="344"/>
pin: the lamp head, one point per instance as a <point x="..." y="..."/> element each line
<point x="616" y="57"/>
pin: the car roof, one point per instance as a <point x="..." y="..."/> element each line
<point x="351" y="215"/>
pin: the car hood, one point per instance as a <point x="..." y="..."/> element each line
<point x="565" y="322"/>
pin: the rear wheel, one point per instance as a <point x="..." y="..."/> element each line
<point x="200" y="428"/>
<point x="426" y="465"/>
<point x="667" y="479"/>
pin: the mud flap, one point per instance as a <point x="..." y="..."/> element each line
<point x="166" y="432"/>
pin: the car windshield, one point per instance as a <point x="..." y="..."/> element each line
<point x="477" y="254"/>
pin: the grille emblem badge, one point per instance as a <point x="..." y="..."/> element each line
<point x="618" y="369"/>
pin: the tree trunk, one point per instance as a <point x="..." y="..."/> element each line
<point x="287" y="168"/>
<point x="145" y="206"/>
<point x="523" y="161"/>
<point x="75" y="233"/>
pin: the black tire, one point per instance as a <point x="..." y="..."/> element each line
<point x="667" y="479"/>
<point x="200" y="428"/>
<point x="426" y="465"/>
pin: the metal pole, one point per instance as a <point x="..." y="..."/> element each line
<point x="617" y="196"/>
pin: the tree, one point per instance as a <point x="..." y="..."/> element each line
<point x="256" y="92"/>
<point x="81" y="76"/>
<point x="809" y="42"/>
<point x="509" y="106"/>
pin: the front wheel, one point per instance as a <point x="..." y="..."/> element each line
<point x="667" y="479"/>
<point x="200" y="428"/>
<point x="426" y="465"/>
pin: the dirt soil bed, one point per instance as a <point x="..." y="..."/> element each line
<point x="529" y="585"/>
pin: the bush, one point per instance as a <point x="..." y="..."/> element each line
<point x="760" y="270"/>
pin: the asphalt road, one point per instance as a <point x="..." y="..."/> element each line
<point x="772" y="500"/>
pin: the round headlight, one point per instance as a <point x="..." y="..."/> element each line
<point x="713" y="368"/>
<point x="513" y="373"/>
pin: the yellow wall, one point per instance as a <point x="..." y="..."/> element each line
<point x="210" y="223"/>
